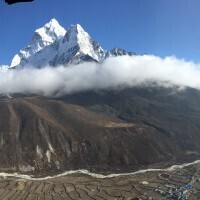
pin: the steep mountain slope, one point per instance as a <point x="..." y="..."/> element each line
<point x="104" y="131"/>
<point x="53" y="45"/>
<point x="76" y="46"/>
<point x="42" y="46"/>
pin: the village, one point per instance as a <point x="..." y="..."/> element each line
<point x="178" y="184"/>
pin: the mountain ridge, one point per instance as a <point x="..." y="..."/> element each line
<point x="104" y="132"/>
<point x="54" y="45"/>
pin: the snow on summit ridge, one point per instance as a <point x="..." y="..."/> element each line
<point x="53" y="45"/>
<point x="51" y="31"/>
<point x="77" y="46"/>
<point x="37" y="50"/>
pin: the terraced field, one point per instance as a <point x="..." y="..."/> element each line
<point x="180" y="183"/>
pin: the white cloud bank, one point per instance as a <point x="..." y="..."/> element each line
<point x="113" y="73"/>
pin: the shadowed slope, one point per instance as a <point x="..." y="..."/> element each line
<point x="107" y="131"/>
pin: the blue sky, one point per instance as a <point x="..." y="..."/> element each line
<point x="159" y="27"/>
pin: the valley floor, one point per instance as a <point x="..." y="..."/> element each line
<point x="181" y="183"/>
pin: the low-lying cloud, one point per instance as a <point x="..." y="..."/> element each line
<point x="113" y="73"/>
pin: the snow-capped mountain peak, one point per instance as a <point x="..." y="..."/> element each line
<point x="53" y="45"/>
<point x="81" y="38"/>
<point x="50" y="31"/>
<point x="78" y="31"/>
<point x="77" y="46"/>
<point x="46" y="35"/>
<point x="42" y="38"/>
<point x="74" y="34"/>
